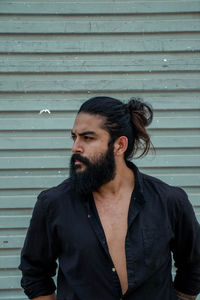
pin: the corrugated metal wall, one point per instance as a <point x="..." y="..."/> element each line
<point x="54" y="55"/>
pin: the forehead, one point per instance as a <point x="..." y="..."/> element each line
<point x="88" y="122"/>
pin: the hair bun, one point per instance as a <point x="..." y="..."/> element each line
<point x="141" y="116"/>
<point x="140" y="110"/>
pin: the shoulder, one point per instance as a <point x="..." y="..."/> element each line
<point x="57" y="190"/>
<point x="171" y="201"/>
<point x="54" y="196"/>
<point x="173" y="195"/>
<point x="156" y="190"/>
<point x="163" y="187"/>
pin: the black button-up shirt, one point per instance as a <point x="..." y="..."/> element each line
<point x="66" y="226"/>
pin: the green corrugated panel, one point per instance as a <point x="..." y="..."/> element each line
<point x="109" y="7"/>
<point x="112" y="27"/>
<point x="53" y="58"/>
<point x="95" y="44"/>
<point x="103" y="63"/>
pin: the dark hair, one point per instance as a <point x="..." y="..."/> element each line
<point x="121" y="119"/>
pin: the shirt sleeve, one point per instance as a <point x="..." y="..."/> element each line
<point x="38" y="256"/>
<point x="186" y="246"/>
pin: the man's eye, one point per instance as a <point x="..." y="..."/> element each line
<point x="88" y="137"/>
<point x="73" y="137"/>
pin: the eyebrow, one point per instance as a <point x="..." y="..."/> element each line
<point x="84" y="133"/>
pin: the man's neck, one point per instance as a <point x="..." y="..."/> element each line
<point x="123" y="180"/>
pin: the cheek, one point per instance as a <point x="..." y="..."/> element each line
<point x="92" y="156"/>
<point x="95" y="148"/>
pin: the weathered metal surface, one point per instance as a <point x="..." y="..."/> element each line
<point x="52" y="58"/>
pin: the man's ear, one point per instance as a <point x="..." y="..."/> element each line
<point x="120" y="145"/>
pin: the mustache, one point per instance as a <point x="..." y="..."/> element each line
<point x="79" y="158"/>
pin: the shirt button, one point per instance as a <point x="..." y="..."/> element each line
<point x="89" y="216"/>
<point x="113" y="269"/>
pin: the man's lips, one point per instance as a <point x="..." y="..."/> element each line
<point x="77" y="162"/>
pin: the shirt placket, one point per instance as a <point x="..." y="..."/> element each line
<point x="98" y="229"/>
<point x="136" y="205"/>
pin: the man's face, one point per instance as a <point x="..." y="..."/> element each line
<point x="92" y="163"/>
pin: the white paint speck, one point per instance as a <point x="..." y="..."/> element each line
<point x="44" y="111"/>
<point x="164" y="59"/>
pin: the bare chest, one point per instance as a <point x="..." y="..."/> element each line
<point x="114" y="219"/>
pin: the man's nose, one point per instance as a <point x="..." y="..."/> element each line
<point x="77" y="148"/>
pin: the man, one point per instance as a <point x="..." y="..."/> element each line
<point x="112" y="228"/>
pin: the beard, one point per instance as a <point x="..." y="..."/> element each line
<point x="97" y="172"/>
